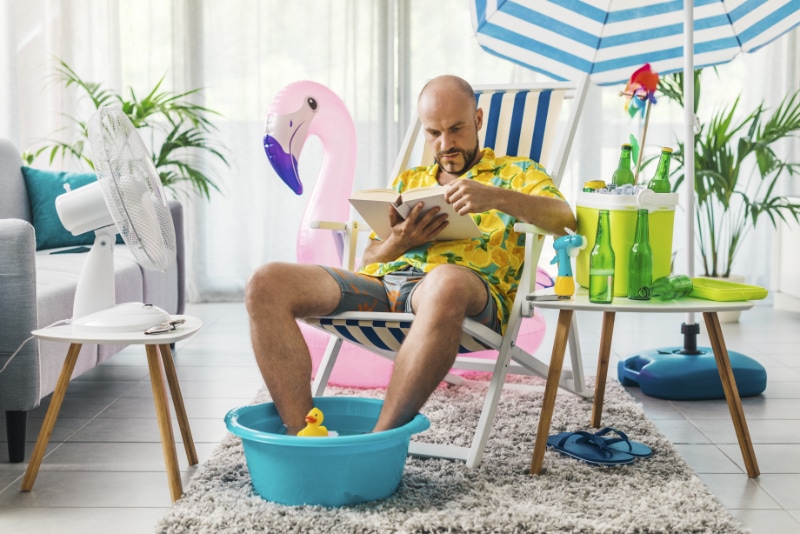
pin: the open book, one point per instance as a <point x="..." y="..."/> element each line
<point x="373" y="206"/>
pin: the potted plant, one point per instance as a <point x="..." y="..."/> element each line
<point x="176" y="131"/>
<point x="737" y="171"/>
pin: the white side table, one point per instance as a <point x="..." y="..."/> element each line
<point x="154" y="344"/>
<point x="580" y="301"/>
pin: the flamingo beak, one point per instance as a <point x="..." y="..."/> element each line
<point x="285" y="134"/>
<point x="284" y="163"/>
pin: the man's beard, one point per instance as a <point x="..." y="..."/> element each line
<point x="468" y="156"/>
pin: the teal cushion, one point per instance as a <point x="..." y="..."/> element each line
<point x="43" y="188"/>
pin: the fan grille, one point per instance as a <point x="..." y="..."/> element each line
<point x="132" y="188"/>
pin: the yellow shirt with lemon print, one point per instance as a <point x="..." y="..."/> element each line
<point x="497" y="256"/>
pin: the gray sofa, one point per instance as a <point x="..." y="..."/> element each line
<point x="37" y="289"/>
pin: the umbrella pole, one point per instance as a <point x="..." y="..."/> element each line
<point x="691" y="328"/>
<point x="641" y="143"/>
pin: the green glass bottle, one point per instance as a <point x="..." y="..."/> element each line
<point x="660" y="182"/>
<point x="623" y="175"/>
<point x="601" y="263"/>
<point x="640" y="260"/>
<point x="672" y="287"/>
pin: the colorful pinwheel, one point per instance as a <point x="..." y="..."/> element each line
<point x="640" y="93"/>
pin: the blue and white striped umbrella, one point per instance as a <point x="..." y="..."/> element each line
<point x="609" y="39"/>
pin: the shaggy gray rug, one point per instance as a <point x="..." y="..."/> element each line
<point x="658" y="494"/>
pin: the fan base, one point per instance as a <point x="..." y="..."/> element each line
<point x="127" y="317"/>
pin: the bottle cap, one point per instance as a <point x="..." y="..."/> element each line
<point x="594" y="184"/>
<point x="626" y="145"/>
<point x="666" y="149"/>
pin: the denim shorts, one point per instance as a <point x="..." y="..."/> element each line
<point x="393" y="292"/>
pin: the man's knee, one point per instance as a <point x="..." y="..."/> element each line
<point x="300" y="289"/>
<point x="449" y="286"/>
<point x="261" y="283"/>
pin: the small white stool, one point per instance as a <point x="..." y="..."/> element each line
<point x="158" y="367"/>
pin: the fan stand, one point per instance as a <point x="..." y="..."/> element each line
<point x="94" y="309"/>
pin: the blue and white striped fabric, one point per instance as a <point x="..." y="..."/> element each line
<point x="380" y="334"/>
<point x="609" y="39"/>
<point x="515" y="121"/>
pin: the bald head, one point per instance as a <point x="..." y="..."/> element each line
<point x="447" y="111"/>
<point x="448" y="86"/>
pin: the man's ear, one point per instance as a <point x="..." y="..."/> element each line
<point x="479" y="119"/>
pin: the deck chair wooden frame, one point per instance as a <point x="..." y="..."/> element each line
<point x="518" y="120"/>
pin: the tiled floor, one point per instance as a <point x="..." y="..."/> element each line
<point x="104" y="469"/>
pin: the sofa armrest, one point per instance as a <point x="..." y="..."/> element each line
<point x="176" y="209"/>
<point x="19" y="383"/>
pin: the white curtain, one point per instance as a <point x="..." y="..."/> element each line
<point x="375" y="55"/>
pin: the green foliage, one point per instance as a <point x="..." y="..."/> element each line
<point x="176" y="131"/>
<point x="736" y="172"/>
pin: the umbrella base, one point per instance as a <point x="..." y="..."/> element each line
<point x="667" y="373"/>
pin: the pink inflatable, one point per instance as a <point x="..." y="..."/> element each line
<point x="304" y="109"/>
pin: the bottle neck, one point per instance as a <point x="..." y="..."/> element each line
<point x="662" y="172"/>
<point x="642" y="227"/>
<point x="603" y="229"/>
<point x="624" y="160"/>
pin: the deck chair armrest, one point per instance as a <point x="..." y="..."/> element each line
<point x="350" y="231"/>
<point x="328" y="225"/>
<point x="530" y="229"/>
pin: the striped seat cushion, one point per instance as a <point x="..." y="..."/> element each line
<point x="380" y="334"/>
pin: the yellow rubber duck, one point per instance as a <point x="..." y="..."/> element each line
<point x="314" y="427"/>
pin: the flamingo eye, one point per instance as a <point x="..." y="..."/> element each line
<point x="312" y="104"/>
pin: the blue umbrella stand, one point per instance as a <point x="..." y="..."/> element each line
<point x="689" y="372"/>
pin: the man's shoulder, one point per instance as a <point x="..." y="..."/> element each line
<point x="492" y="162"/>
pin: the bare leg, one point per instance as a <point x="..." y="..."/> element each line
<point x="277" y="294"/>
<point x="441" y="302"/>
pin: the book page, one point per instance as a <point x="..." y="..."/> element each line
<point x="459" y="227"/>
<point x="373" y="205"/>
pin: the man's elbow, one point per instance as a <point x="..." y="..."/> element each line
<point x="570" y="222"/>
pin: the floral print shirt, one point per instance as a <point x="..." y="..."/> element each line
<point x="497" y="256"/>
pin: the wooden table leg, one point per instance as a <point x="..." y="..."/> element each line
<point x="50" y="418"/>
<point x="603" y="357"/>
<point x="551" y="389"/>
<point x="731" y="392"/>
<point x="164" y="423"/>
<point x="177" y="402"/>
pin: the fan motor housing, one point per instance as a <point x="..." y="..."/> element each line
<point x="83" y="209"/>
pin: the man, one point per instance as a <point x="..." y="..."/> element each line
<point x="442" y="282"/>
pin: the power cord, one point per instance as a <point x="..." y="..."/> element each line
<point x="10" y="358"/>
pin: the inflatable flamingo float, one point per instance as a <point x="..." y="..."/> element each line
<point x="299" y="111"/>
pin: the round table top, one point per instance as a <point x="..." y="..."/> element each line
<point x="69" y="334"/>
<point x="580" y="301"/>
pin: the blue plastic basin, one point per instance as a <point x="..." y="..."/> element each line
<point x="353" y="467"/>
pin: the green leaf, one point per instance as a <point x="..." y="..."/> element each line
<point x="737" y="172"/>
<point x="176" y="131"/>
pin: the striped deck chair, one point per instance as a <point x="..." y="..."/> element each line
<point x="517" y="121"/>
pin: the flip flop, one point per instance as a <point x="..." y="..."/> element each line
<point x="622" y="443"/>
<point x="587" y="448"/>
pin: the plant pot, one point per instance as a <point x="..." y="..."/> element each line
<point x="728" y="316"/>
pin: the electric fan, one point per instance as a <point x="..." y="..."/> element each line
<point x="127" y="199"/>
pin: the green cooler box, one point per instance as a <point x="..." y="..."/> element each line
<point x="622" y="210"/>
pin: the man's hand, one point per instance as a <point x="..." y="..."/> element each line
<point x="469" y="196"/>
<point x="414" y="230"/>
<point x="418" y="227"/>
